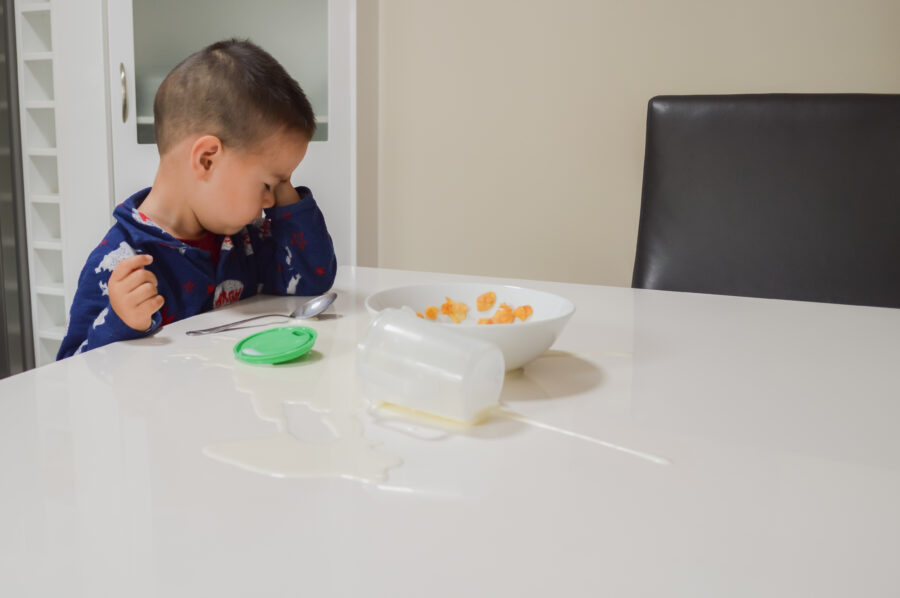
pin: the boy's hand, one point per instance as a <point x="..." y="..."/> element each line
<point x="132" y="292"/>
<point x="285" y="194"/>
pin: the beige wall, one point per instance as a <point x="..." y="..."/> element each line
<point x="510" y="133"/>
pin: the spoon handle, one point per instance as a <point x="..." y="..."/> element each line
<point x="231" y="325"/>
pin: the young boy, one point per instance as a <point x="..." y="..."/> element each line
<point x="231" y="127"/>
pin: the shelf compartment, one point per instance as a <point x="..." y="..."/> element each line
<point x="47" y="245"/>
<point x="27" y="6"/>
<point x="48" y="345"/>
<point x="35" y="31"/>
<point x="40" y="104"/>
<point x="38" y="76"/>
<point x="48" y="268"/>
<point x="43" y="175"/>
<point x="41" y="151"/>
<point x="57" y="290"/>
<point x="34" y="56"/>
<point x="45" y="223"/>
<point x="51" y="311"/>
<point x="49" y="198"/>
<point x="55" y="333"/>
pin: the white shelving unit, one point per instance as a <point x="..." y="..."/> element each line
<point x="43" y="207"/>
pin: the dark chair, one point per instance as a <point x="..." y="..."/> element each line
<point x="781" y="196"/>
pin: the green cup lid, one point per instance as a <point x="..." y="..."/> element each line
<point x="276" y="345"/>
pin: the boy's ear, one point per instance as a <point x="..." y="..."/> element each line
<point x="205" y="155"/>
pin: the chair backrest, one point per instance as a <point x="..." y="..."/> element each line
<point x="782" y="196"/>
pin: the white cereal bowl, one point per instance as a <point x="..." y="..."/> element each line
<point x="520" y="342"/>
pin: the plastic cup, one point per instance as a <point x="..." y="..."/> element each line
<point x="421" y="365"/>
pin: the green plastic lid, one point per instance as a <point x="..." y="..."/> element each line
<point x="276" y="345"/>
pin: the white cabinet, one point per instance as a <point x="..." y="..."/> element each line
<point x="315" y="40"/>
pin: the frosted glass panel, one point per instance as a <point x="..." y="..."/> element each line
<point x="295" y="32"/>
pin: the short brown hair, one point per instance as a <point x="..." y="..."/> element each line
<point x="232" y="89"/>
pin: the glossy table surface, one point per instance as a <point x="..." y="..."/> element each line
<point x="669" y="444"/>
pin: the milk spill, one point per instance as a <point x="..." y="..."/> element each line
<point x="314" y="408"/>
<point x="321" y="395"/>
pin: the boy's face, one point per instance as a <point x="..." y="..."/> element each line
<point x="242" y="182"/>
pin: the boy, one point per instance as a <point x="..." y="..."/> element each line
<point x="231" y="127"/>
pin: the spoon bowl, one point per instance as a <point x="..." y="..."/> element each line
<point x="314" y="306"/>
<point x="308" y="309"/>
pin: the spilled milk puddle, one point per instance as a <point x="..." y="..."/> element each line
<point x="315" y="409"/>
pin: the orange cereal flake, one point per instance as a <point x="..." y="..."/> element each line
<point x="486" y="301"/>
<point x="420" y="315"/>
<point x="457" y="310"/>
<point x="523" y="312"/>
<point x="503" y="315"/>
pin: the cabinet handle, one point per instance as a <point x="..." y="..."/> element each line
<point x="124" y="92"/>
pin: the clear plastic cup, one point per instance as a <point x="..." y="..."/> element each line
<point x="406" y="361"/>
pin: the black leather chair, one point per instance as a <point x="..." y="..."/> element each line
<point x="781" y="196"/>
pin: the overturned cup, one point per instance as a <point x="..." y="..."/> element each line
<point x="408" y="362"/>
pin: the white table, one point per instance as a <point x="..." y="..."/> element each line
<point x="716" y="446"/>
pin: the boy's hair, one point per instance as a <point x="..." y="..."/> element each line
<point x="232" y="89"/>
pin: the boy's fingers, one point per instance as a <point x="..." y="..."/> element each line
<point x="141" y="276"/>
<point x="152" y="305"/>
<point x="136" y="278"/>
<point x="129" y="265"/>
<point x="142" y="292"/>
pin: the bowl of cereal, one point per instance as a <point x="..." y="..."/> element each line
<point x="521" y="322"/>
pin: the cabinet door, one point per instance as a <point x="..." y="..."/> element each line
<point x="313" y="39"/>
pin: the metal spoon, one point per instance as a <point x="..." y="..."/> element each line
<point x="310" y="309"/>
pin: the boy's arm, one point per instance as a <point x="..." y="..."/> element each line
<point x="296" y="254"/>
<point x="92" y="320"/>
